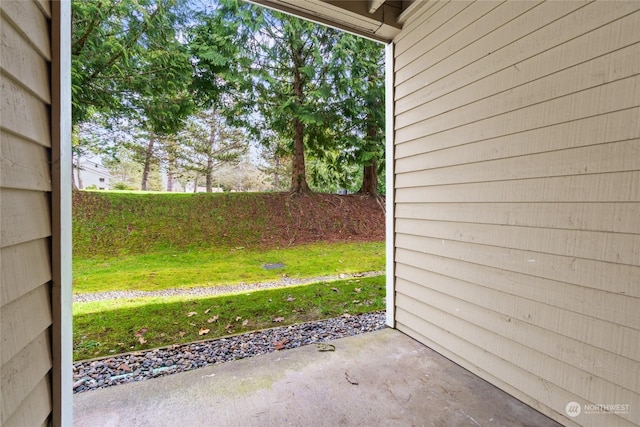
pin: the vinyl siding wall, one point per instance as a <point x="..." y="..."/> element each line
<point x="25" y="219"/>
<point x="517" y="147"/>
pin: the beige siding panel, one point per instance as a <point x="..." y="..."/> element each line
<point x="23" y="113"/>
<point x="606" y="128"/>
<point x="498" y="38"/>
<point x="416" y="22"/>
<point x="35" y="410"/>
<point x="611" y="187"/>
<point x="23" y="164"/>
<point x="22" y="63"/>
<point x="25" y="216"/>
<point x="605" y="158"/>
<point x="517" y="192"/>
<point x="521" y="383"/>
<point x="602" y="99"/>
<point x="441" y="26"/>
<point x="612" y="247"/>
<point x="605" y="217"/>
<point x="27" y="18"/>
<point x="582" y="272"/>
<point x="517" y="41"/>
<point x="607" y="306"/>
<point x="473" y="82"/>
<point x="531" y="324"/>
<point x="45" y="7"/>
<point x="468" y="45"/>
<point x="23" y="320"/>
<point x="23" y="373"/>
<point x="19" y="273"/>
<point x="570" y="378"/>
<point x="605" y="69"/>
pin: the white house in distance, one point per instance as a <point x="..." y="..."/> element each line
<point x="92" y="173"/>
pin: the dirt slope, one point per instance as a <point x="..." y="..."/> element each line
<point x="110" y="223"/>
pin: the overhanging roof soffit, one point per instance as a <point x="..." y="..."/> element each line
<point x="376" y="19"/>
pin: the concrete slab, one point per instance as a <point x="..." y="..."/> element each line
<point x="382" y="378"/>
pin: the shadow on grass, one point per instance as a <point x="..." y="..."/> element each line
<point x="111" y="327"/>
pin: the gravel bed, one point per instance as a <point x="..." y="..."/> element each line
<point x="143" y="365"/>
<point x="217" y="290"/>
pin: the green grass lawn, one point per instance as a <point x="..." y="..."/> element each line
<point x="210" y="266"/>
<point x="108" y="327"/>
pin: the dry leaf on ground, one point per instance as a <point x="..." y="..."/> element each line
<point x="203" y="331"/>
<point x="279" y="345"/>
<point x="140" y="332"/>
<point x="245" y="323"/>
<point x="278" y="319"/>
<point x="192" y="313"/>
<point x="142" y="340"/>
<point x="212" y="319"/>
<point x="207" y="310"/>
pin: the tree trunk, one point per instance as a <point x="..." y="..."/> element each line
<point x="370" y="172"/>
<point x="370" y="179"/>
<point x="147" y="164"/>
<point x="276" y="175"/>
<point x="195" y="185"/>
<point x="298" y="174"/>
<point x="73" y="176"/>
<point x="210" y="151"/>
<point x="169" y="182"/>
<point x="80" y="186"/>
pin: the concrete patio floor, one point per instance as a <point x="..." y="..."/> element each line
<point x="382" y="378"/>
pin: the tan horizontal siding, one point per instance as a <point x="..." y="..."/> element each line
<point x="542" y="365"/>
<point x="45" y="7"/>
<point x="22" y="374"/>
<point x="23" y="64"/>
<point x="623" y="217"/>
<point x="618" y="126"/>
<point x="611" y="187"/>
<point x="471" y="43"/>
<point x="35" y="409"/>
<point x="27" y="18"/>
<point x="23" y="319"/>
<point x="23" y="113"/>
<point x="18" y="271"/>
<point x="610" y="307"/>
<point x="606" y="98"/>
<point x="601" y="246"/>
<point x="612" y="157"/>
<point x="517" y="175"/>
<point x="596" y="72"/>
<point x="550" y="399"/>
<point x="577" y="271"/>
<point x="25" y="217"/>
<point x="23" y="164"/>
<point x="406" y="39"/>
<point x="492" y="38"/>
<point x="531" y="323"/>
<point x="517" y="66"/>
